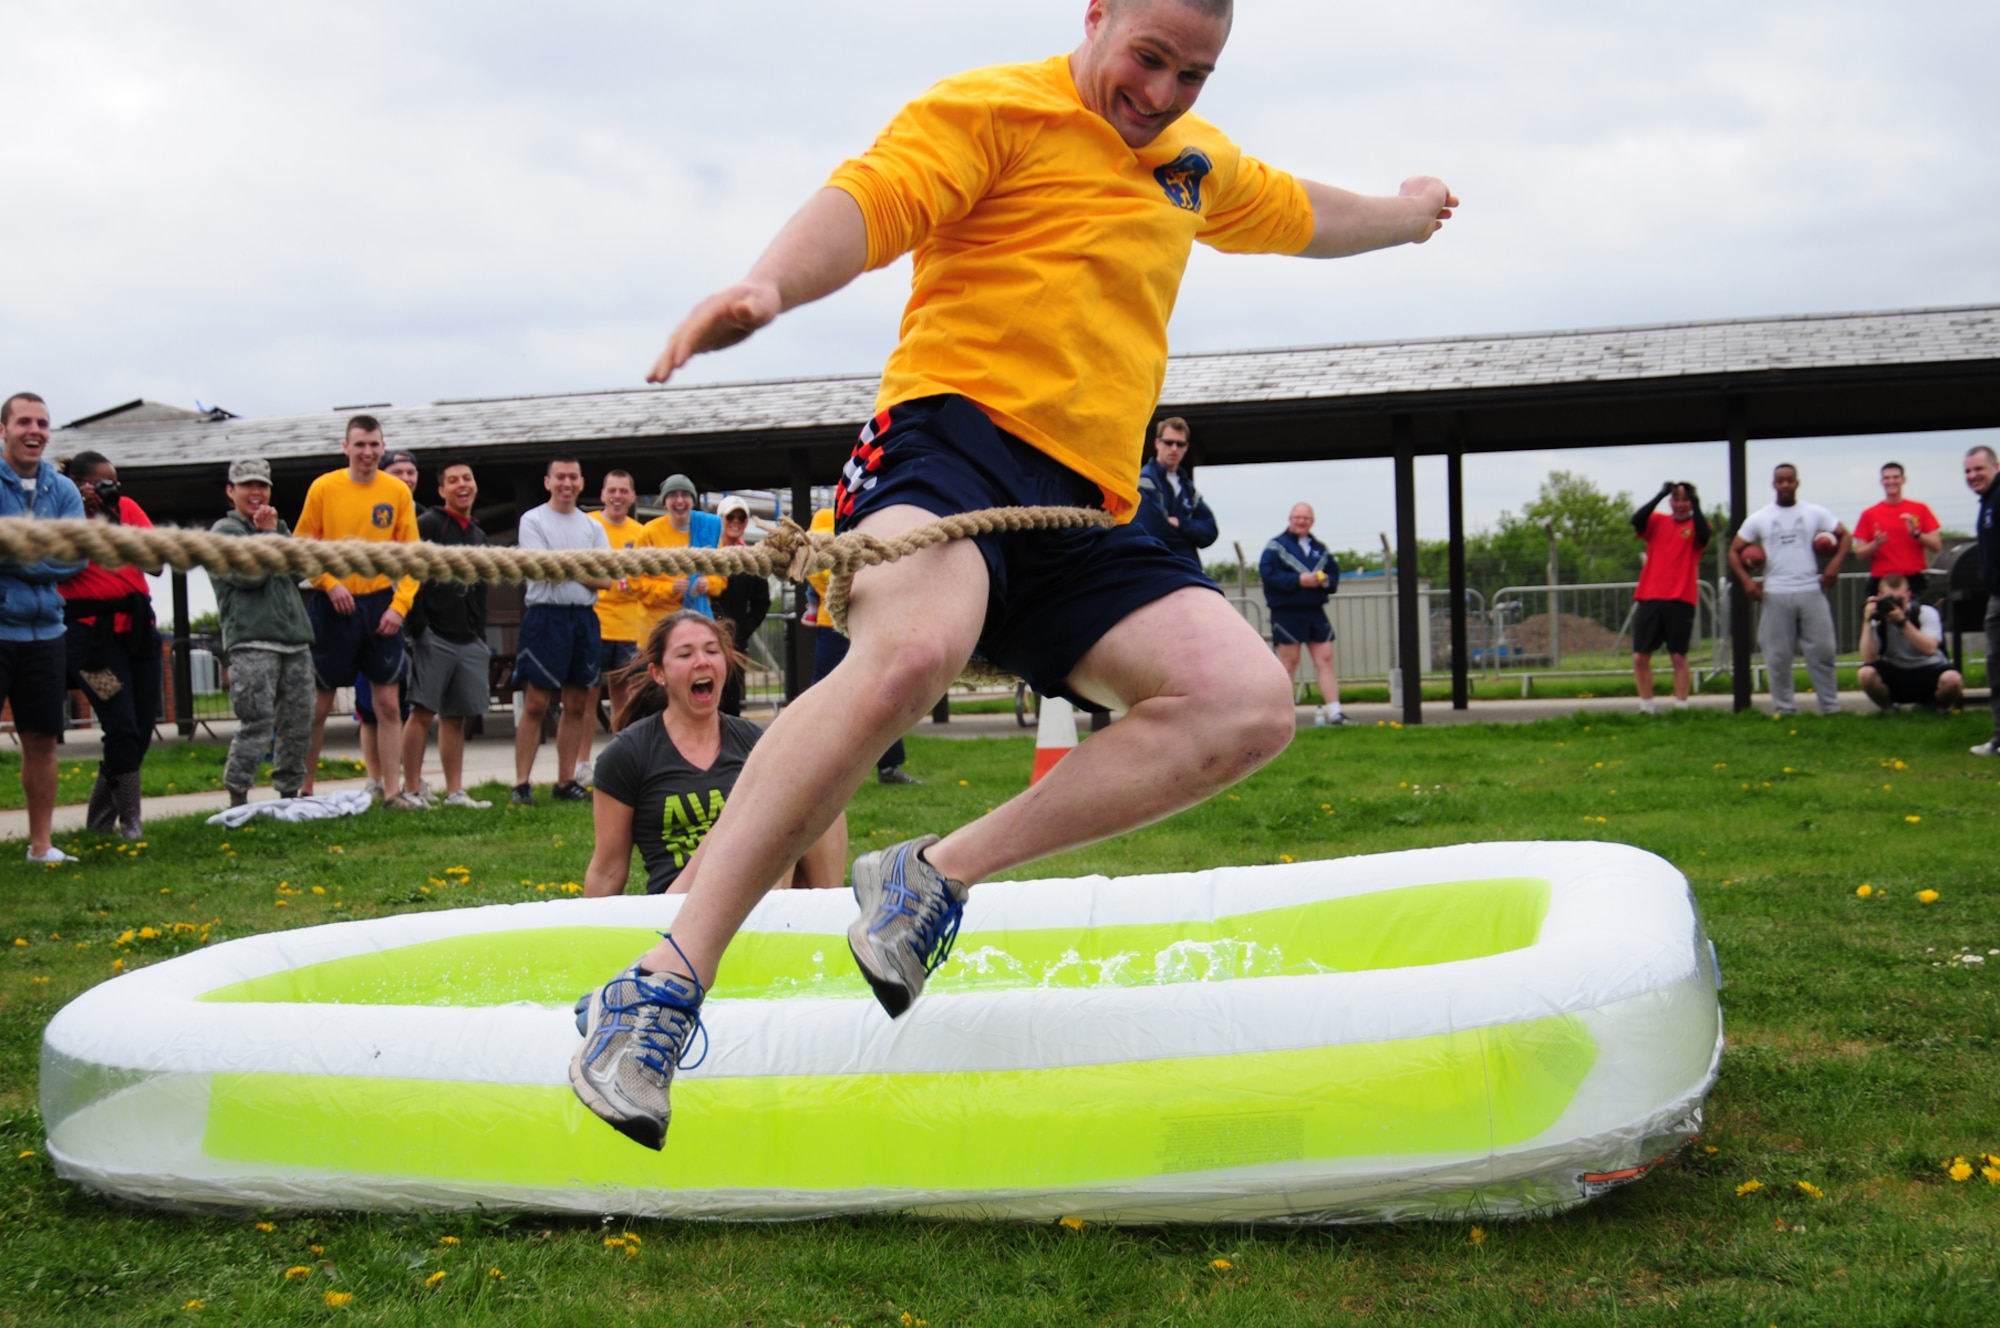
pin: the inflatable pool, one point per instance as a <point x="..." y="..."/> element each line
<point x="1484" y="1030"/>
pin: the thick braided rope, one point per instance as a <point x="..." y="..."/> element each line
<point x="787" y="552"/>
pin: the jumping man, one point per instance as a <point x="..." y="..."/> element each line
<point x="1051" y="208"/>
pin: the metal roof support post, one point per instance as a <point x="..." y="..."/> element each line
<point x="798" y="641"/>
<point x="183" y="658"/>
<point x="1402" y="429"/>
<point x="1739" y="508"/>
<point x="1454" y="472"/>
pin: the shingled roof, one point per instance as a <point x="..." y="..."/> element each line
<point x="1382" y="375"/>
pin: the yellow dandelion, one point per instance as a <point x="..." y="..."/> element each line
<point x="1913" y="820"/>
<point x="1959" y="1170"/>
<point x="300" y="1271"/>
<point x="1710" y="1149"/>
<point x="1220" y="1265"/>
<point x="1750" y="1186"/>
<point x="126" y="939"/>
<point x="1285" y="857"/>
<point x="1992" y="1174"/>
<point x="118" y="966"/>
<point x="1073" y="1223"/>
<point x="25" y="1152"/>
<point x="194" y="1307"/>
<point x="317" y="1249"/>
<point x="447" y="1240"/>
<point x="336" y="1299"/>
<point x="1478" y="1236"/>
<point x="614" y="1242"/>
<point x="965" y="783"/>
<point x="267" y="1226"/>
<point x="496" y="1274"/>
<point x="319" y="889"/>
<point x="21" y="941"/>
<point x="1864" y="890"/>
<point x="1927" y="896"/>
<point x="1810" y="1190"/>
<point x="434" y="1278"/>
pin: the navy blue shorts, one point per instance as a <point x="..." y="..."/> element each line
<point x="1053" y="594"/>
<point x="345" y="644"/>
<point x="558" y="647"/>
<point x="1297" y="627"/>
<point x="613" y="656"/>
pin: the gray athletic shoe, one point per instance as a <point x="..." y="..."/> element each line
<point x="636" y="1033"/>
<point x="909" y="918"/>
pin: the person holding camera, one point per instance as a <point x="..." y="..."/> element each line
<point x="1902" y="659"/>
<point x="113" y="652"/>
<point x="1667" y="589"/>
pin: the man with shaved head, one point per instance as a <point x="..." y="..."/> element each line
<point x="1050" y="208"/>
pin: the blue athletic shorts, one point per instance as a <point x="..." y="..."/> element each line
<point x="346" y="644"/>
<point x="558" y="647"/>
<point x="1053" y="594"/>
<point x="613" y="656"/>
<point x="1297" y="627"/>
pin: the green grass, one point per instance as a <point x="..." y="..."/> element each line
<point x="1860" y="1058"/>
<point x="178" y="767"/>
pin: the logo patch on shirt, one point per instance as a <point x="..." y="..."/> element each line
<point x="1181" y="178"/>
<point x="384" y="516"/>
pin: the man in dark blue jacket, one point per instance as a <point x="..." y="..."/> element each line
<point x="1981" y="467"/>
<point x="1169" y="508"/>
<point x="1300" y="575"/>
<point x="33" y="656"/>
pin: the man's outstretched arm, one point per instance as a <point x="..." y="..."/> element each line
<point x="1347" y="223"/>
<point x="822" y="248"/>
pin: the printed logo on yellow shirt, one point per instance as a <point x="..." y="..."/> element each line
<point x="1182" y="178"/>
<point x="384" y="516"/>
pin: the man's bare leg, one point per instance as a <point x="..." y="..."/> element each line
<point x="1329" y="681"/>
<point x="389" y="734"/>
<point x="1683" y="678"/>
<point x="38" y="786"/>
<point x="914" y="624"/>
<point x="528" y="734"/>
<point x="451" y="752"/>
<point x="1206" y="706"/>
<point x="371" y="754"/>
<point x="573" y="731"/>
<point x="1642" y="675"/>
<point x="417" y="732"/>
<point x="322" y="708"/>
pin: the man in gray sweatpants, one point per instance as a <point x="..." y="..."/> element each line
<point x="1797" y="618"/>
<point x="268" y="638"/>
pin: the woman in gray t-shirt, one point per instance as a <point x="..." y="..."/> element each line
<point x="666" y="777"/>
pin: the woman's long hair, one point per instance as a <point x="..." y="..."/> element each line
<point x="645" y="698"/>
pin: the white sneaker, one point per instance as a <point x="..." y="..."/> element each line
<point x="1988" y="748"/>
<point x="1647" y="708"/>
<point x="55" y="857"/>
<point x="586" y="774"/>
<point x="460" y="798"/>
<point x="373" y="788"/>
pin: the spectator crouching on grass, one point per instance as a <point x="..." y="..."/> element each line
<point x="113" y="652"/>
<point x="1902" y="656"/>
<point x="267" y="639"/>
<point x="32" y="652"/>
<point x="667" y="775"/>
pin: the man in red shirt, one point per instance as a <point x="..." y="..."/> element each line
<point x="1897" y="535"/>
<point x="1666" y="593"/>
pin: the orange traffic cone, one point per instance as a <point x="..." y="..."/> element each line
<point x="1055" y="735"/>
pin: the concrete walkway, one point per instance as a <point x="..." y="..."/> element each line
<point x="490" y="757"/>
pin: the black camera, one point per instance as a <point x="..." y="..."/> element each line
<point x="108" y="493"/>
<point x="1884" y="605"/>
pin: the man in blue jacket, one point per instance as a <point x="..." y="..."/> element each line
<point x="1299" y="575"/>
<point x="1981" y="468"/>
<point x="1169" y="508"/>
<point x="32" y="652"/>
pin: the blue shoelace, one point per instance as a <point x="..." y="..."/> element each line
<point x="682" y="1018"/>
<point x="937" y="916"/>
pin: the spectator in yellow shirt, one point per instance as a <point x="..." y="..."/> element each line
<point x="621" y="611"/>
<point x="684" y="526"/>
<point x="357" y="621"/>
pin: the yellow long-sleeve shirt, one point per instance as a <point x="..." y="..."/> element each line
<point x="658" y="592"/>
<point x="379" y="511"/>
<point x="1049" y="255"/>
<point x="621" y="614"/>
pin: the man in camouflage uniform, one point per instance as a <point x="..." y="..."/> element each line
<point x="267" y="638"/>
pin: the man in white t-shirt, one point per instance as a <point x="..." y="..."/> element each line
<point x="560" y="640"/>
<point x="1797" y="618"/>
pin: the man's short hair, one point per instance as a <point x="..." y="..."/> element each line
<point x="455" y="461"/>
<point x="1983" y="450"/>
<point x="85" y="464"/>
<point x="1222" y="9"/>
<point x="1893" y="465"/>
<point x="1171" y="422"/>
<point x="365" y="423"/>
<point x="563" y="460"/>
<point x="625" y="475"/>
<point x="1783" y="465"/>
<point x="7" y="411"/>
<point x="1894" y="582"/>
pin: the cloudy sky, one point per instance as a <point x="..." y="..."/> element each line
<point x="281" y="208"/>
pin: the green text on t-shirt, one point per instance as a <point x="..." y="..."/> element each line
<point x="684" y="821"/>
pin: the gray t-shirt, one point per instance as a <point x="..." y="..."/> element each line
<point x="1895" y="642"/>
<point x="545" y="528"/>
<point x="673" y="803"/>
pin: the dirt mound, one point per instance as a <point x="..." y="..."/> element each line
<point x="1580" y="635"/>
